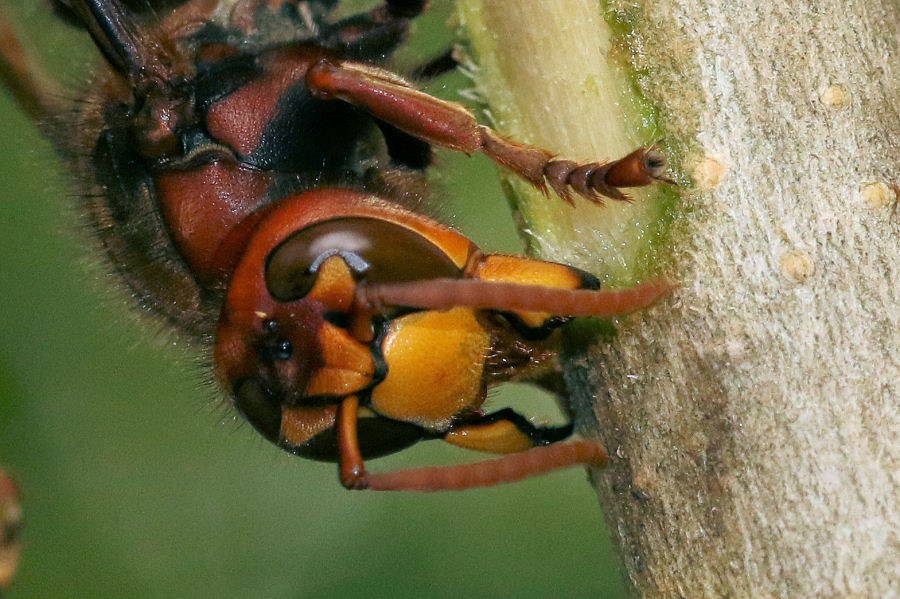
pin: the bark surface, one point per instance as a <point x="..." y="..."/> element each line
<point x="754" y="418"/>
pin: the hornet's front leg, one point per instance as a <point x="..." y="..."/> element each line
<point x="503" y="432"/>
<point x="351" y="468"/>
<point x="510" y="468"/>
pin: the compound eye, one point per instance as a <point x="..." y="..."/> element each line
<point x="259" y="406"/>
<point x="376" y="251"/>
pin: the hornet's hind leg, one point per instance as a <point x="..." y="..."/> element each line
<point x="528" y="454"/>
<point x="393" y="100"/>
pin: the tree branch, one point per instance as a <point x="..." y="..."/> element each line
<point x="754" y="420"/>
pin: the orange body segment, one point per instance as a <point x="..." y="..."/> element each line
<point x="497" y="437"/>
<point x="336" y="382"/>
<point x="334" y="286"/>
<point x="435" y="366"/>
<point x="348" y="364"/>
<point x="526" y="271"/>
<point x="301" y="423"/>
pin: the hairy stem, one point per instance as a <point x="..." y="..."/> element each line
<point x="535" y="101"/>
<point x="754" y="420"/>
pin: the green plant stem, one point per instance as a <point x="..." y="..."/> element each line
<point x="754" y="418"/>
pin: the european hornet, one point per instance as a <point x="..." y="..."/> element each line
<point x="254" y="172"/>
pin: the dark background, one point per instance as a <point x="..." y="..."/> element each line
<point x="139" y="482"/>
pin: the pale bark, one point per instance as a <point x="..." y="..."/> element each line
<point x="754" y="417"/>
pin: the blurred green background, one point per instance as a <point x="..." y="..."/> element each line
<point x="138" y="482"/>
